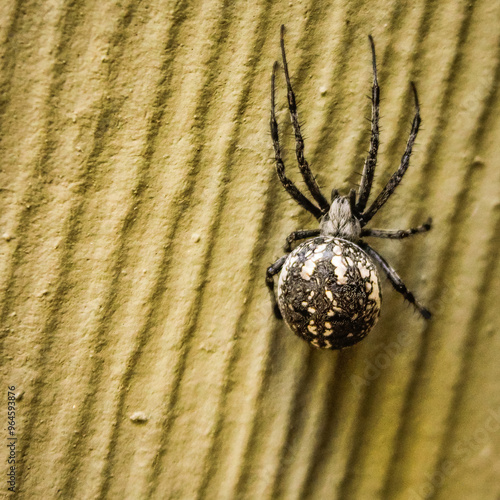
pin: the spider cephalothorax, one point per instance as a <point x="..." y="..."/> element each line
<point x="328" y="289"/>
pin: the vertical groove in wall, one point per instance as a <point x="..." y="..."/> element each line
<point x="213" y="231"/>
<point x="80" y="440"/>
<point x="140" y="208"/>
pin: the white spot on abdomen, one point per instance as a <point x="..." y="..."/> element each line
<point x="312" y="329"/>
<point x="365" y="272"/>
<point x="375" y="295"/>
<point x="340" y="269"/>
<point x="307" y="270"/>
<point x="320" y="248"/>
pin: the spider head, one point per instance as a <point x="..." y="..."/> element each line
<point x="339" y="221"/>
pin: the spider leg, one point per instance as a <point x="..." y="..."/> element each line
<point x="397" y="234"/>
<point x="371" y="160"/>
<point x="352" y="202"/>
<point x="398" y="175"/>
<point x="309" y="179"/>
<point x="395" y="280"/>
<point x="270" y="273"/>
<point x="290" y="187"/>
<point x="300" y="235"/>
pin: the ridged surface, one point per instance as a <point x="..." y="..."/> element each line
<point x="140" y="207"/>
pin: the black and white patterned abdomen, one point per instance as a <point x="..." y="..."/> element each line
<point x="329" y="293"/>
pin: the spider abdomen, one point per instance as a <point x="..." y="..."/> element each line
<point x="329" y="293"/>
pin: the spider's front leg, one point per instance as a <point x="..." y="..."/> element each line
<point x="395" y="280"/>
<point x="300" y="235"/>
<point x="403" y="167"/>
<point x="371" y="160"/>
<point x="290" y="187"/>
<point x="270" y="273"/>
<point x="305" y="170"/>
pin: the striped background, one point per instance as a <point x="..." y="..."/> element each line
<point x="140" y="208"/>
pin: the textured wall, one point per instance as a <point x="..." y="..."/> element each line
<point x="140" y="208"/>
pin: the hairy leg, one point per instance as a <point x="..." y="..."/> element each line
<point x="396" y="281"/>
<point x="397" y="234"/>
<point x="309" y="179"/>
<point x="290" y="187"/>
<point x="270" y="273"/>
<point x="300" y="235"/>
<point x="371" y="160"/>
<point x="403" y="167"/>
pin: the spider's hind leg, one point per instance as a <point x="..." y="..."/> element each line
<point x="270" y="273"/>
<point x="396" y="281"/>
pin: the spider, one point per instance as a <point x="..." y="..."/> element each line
<point x="328" y="288"/>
